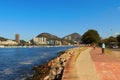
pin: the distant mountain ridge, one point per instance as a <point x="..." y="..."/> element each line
<point x="3" y="39"/>
<point x="49" y="36"/>
<point x="73" y="37"/>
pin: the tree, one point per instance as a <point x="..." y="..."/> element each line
<point x="118" y="38"/>
<point x="22" y="43"/>
<point x="91" y="36"/>
<point x="112" y="39"/>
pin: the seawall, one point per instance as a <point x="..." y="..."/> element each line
<point x="52" y="70"/>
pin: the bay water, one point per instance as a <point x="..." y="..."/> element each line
<point x="17" y="63"/>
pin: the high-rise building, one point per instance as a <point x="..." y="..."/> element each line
<point x="17" y="38"/>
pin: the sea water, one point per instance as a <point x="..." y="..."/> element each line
<point x="17" y="63"/>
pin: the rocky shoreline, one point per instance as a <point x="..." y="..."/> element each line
<point x="52" y="70"/>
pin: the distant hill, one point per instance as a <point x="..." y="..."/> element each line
<point x="69" y="38"/>
<point x="49" y="36"/>
<point x="73" y="37"/>
<point x="3" y="39"/>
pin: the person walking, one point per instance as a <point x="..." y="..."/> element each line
<point x="94" y="45"/>
<point x="103" y="47"/>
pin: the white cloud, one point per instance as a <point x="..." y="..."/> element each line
<point x="117" y="33"/>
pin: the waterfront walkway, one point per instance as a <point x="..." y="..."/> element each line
<point x="91" y="65"/>
<point x="80" y="69"/>
<point x="108" y="67"/>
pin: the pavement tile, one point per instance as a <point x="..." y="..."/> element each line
<point x="107" y="67"/>
<point x="92" y="65"/>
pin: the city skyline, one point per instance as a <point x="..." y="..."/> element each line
<point x="62" y="17"/>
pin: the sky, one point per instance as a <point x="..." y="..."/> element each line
<point x="59" y="17"/>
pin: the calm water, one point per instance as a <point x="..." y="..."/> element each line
<point x="16" y="63"/>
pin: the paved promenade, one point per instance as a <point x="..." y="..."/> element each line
<point x="108" y="67"/>
<point x="92" y="65"/>
<point x="80" y="69"/>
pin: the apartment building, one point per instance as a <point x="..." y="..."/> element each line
<point x="40" y="40"/>
<point x="8" y="42"/>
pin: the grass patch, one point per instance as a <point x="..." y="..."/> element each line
<point x="108" y="51"/>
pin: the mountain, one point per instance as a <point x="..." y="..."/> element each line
<point x="73" y="37"/>
<point x="49" y="36"/>
<point x="3" y="39"/>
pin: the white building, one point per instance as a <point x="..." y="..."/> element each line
<point x="58" y="42"/>
<point x="68" y="38"/>
<point x="8" y="42"/>
<point x="40" y="40"/>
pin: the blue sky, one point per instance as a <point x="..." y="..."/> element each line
<point x="59" y="17"/>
